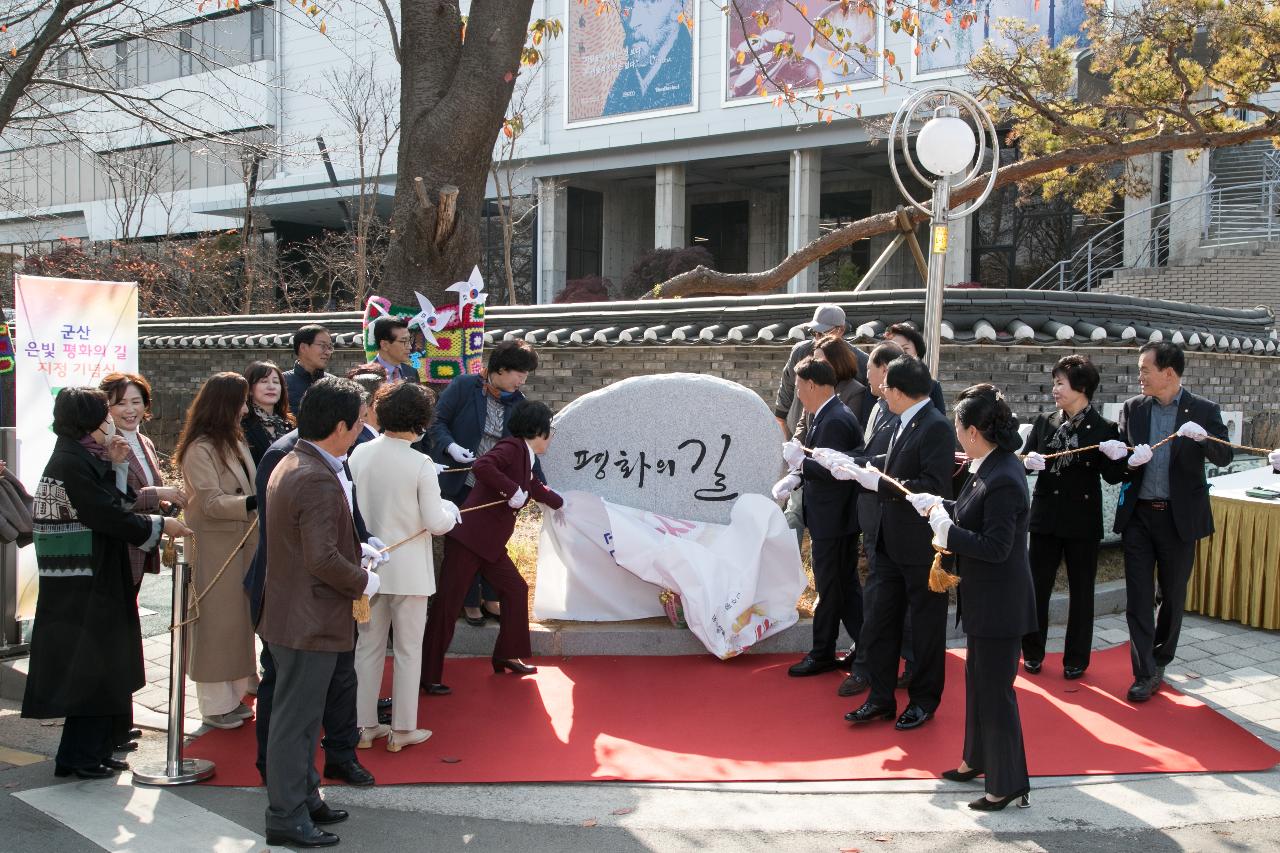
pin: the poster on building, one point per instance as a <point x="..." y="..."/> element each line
<point x="782" y="38"/>
<point x="629" y="58"/>
<point x="68" y="332"/>
<point x="945" y="45"/>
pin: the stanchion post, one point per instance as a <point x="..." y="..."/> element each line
<point x="177" y="770"/>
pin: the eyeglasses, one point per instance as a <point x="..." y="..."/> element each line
<point x="323" y="347"/>
<point x="401" y="340"/>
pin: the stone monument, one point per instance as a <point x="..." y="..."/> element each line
<point x="683" y="445"/>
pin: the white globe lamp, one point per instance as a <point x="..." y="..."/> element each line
<point x="946" y="143"/>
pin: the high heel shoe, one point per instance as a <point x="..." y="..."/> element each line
<point x="516" y="665"/>
<point x="982" y="804"/>
<point x="489" y="614"/>
<point x="959" y="775"/>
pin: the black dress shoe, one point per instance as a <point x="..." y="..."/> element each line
<point x="437" y="690"/>
<point x="325" y="815"/>
<point x="1072" y="672"/>
<point x="516" y="665"/>
<point x="133" y="734"/>
<point x="303" y="837"/>
<point x="852" y="686"/>
<point x="473" y="621"/>
<point x="1032" y="666"/>
<point x="904" y="680"/>
<point x="913" y="718"/>
<point x="352" y="772"/>
<point x="869" y="712"/>
<point x="384" y="704"/>
<point x="129" y="746"/>
<point x="1160" y="673"/>
<point x="958" y="775"/>
<point x="1142" y="688"/>
<point x="811" y="666"/>
<point x="115" y="764"/>
<point x="846" y="662"/>
<point x="982" y="804"/>
<point x="95" y="772"/>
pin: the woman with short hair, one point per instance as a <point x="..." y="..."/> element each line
<point x="86" y="641"/>
<point x="221" y="509"/>
<point x="395" y="508"/>
<point x="1066" y="511"/>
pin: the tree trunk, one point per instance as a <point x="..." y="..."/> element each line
<point x="453" y="98"/>
<point x="702" y="281"/>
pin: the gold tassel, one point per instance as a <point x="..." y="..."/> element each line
<point x="360" y="609"/>
<point x="940" y="580"/>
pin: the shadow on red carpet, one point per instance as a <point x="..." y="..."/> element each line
<point x="697" y="719"/>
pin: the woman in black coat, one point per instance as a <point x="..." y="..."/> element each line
<point x="1066" y="511"/>
<point x="985" y="527"/>
<point x="86" y="643"/>
<point x="269" y="417"/>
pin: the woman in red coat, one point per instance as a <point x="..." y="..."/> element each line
<point x="479" y="544"/>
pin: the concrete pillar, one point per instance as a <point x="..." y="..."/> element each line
<point x="668" y="207"/>
<point x="803" y="209"/>
<point x="1186" y="218"/>
<point x="625" y="236"/>
<point x="553" y="238"/>
<point x="767" y="230"/>
<point x="1137" y="211"/>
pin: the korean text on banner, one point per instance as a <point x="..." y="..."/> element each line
<point x="69" y="332"/>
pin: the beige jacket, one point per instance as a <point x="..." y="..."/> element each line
<point x="222" y="639"/>
<point x="400" y="495"/>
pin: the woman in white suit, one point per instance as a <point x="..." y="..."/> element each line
<point x="399" y="496"/>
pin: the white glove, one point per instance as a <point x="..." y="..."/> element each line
<point x="941" y="524"/>
<point x="923" y="502"/>
<point x="440" y="468"/>
<point x="373" y="553"/>
<point x="792" y="453"/>
<point x="784" y="487"/>
<point x="1141" y="455"/>
<point x="460" y="454"/>
<point x="1034" y="461"/>
<point x="867" y="477"/>
<point x="829" y="459"/>
<point x="1274" y="458"/>
<point x="371" y="585"/>
<point x="1113" y="450"/>
<point x="844" y="470"/>
<point x="518" y="499"/>
<point x="451" y="508"/>
<point x="1193" y="431"/>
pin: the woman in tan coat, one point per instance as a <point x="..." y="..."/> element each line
<point x="221" y="508"/>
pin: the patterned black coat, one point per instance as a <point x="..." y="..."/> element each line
<point x="86" y="642"/>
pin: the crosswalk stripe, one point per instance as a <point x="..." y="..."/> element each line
<point x="123" y="818"/>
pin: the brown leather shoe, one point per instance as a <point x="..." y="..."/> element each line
<point x="852" y="686"/>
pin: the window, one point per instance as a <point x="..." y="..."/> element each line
<point x="844" y="268"/>
<point x="722" y="229"/>
<point x="186" y="50"/>
<point x="257" y="35"/>
<point x="585" y="233"/>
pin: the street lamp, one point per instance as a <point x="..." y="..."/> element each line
<point x="952" y="153"/>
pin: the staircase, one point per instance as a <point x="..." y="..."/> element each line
<point x="1243" y="207"/>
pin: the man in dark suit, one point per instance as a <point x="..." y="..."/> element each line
<point x="341" y="732"/>
<point x="394" y="341"/>
<point x="312" y="349"/>
<point x="313" y="574"/>
<point x="921" y="457"/>
<point x="830" y="514"/>
<point x="1164" y="504"/>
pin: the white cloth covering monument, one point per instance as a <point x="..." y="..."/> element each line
<point x="666" y="481"/>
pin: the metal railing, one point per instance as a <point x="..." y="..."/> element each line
<point x="1232" y="215"/>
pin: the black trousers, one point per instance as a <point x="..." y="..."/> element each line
<point x="835" y="577"/>
<point x="1045" y="553"/>
<point x="869" y="604"/>
<point x="293" y="785"/>
<point x="1154" y="556"/>
<point x="86" y="741"/>
<point x="903" y="589"/>
<point x="992" y="727"/>
<point x="341" y="734"/>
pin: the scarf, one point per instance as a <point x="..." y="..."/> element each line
<point x="89" y="443"/>
<point x="1065" y="438"/>
<point x="275" y="424"/>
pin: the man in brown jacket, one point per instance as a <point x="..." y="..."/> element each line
<point x="313" y="574"/>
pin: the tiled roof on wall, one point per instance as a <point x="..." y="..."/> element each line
<point x="970" y="316"/>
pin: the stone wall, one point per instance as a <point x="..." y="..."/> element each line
<point x="1237" y="382"/>
<point x="1234" y="277"/>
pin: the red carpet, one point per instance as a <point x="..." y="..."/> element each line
<point x="696" y="719"/>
